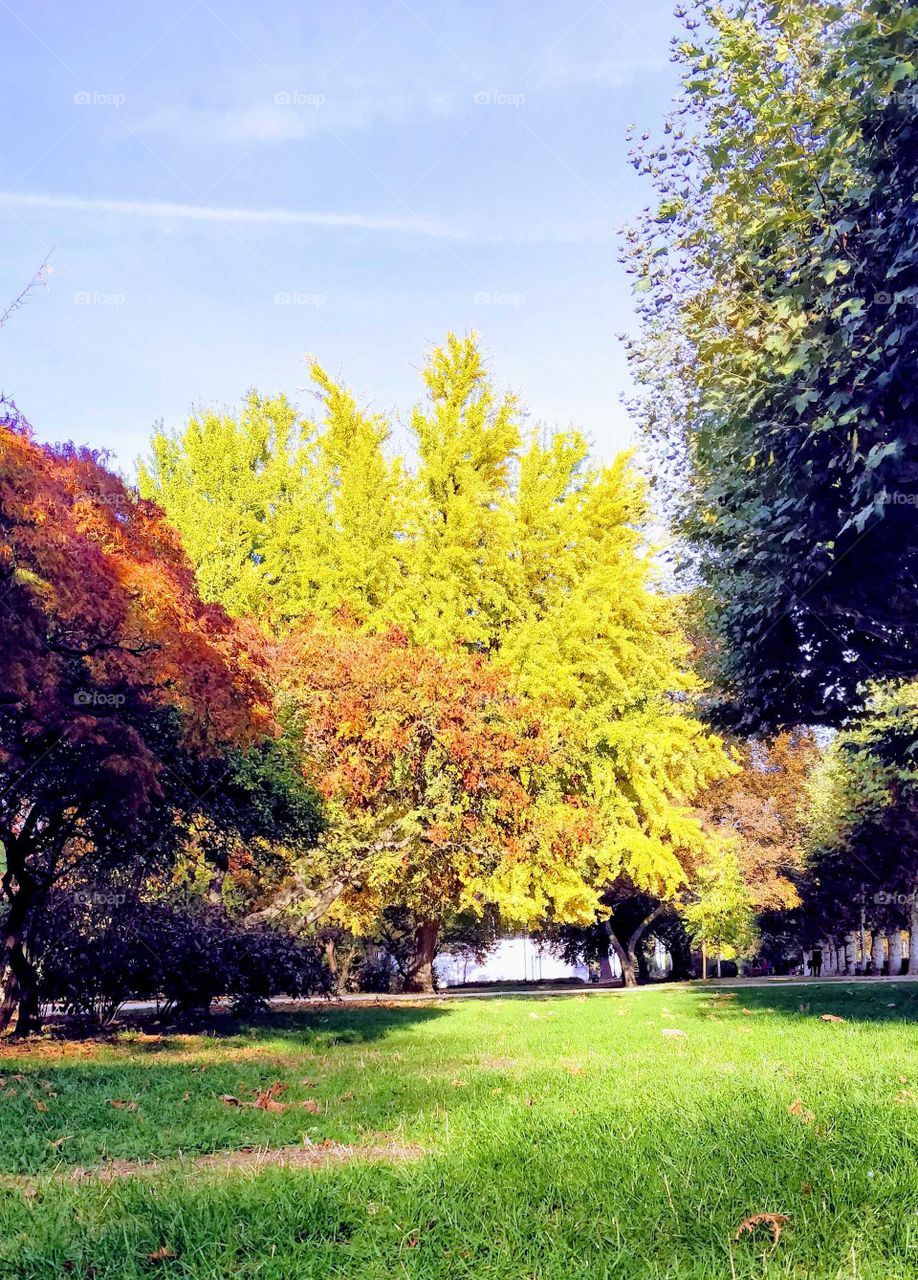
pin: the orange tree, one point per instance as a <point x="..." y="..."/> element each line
<point x="763" y="807"/>
<point x="442" y="787"/>
<point x="132" y="715"/>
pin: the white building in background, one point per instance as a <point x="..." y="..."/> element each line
<point x="511" y="960"/>
<point x="520" y="960"/>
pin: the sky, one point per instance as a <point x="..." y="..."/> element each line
<point x="226" y="186"/>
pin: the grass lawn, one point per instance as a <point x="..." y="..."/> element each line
<point x="551" y="1138"/>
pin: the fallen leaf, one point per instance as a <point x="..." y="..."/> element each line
<point x="267" y="1099"/>
<point x="797" y="1108"/>
<point x="313" y="1105"/>
<point x="673" y="1032"/>
<point x="806" y="1189"/>
<point x="39" y="1105"/>
<point x="120" y="1105"/>
<point x="162" y="1254"/>
<point x="774" y="1222"/>
<point x="229" y="1100"/>
<point x="830" y="1017"/>
<point x="57" y="1142"/>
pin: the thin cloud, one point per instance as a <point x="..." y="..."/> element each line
<point x="507" y="229"/>
<point x="213" y="213"/>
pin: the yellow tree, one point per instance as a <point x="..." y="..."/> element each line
<point x="517" y="548"/>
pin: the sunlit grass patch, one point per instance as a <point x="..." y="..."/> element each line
<point x="579" y="1142"/>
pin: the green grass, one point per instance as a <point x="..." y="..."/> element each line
<point x="563" y="1137"/>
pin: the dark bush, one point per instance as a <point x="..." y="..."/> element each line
<point x="180" y="951"/>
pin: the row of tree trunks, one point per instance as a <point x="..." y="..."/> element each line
<point x="881" y="950"/>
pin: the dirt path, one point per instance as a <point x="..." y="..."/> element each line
<point x="244" y="1160"/>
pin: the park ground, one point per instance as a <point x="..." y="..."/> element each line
<point x="545" y="1138"/>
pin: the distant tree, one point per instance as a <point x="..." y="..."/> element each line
<point x="763" y="806"/>
<point x="720" y="918"/>
<point x="862" y="839"/>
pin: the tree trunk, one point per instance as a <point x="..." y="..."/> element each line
<point x="850" y="953"/>
<point x="605" y="966"/>
<point x="630" y="957"/>
<point x="876" y="953"/>
<point x="20" y="994"/>
<point x="718" y="964"/>
<point x="629" y="978"/>
<point x="681" y="954"/>
<point x="894" y="951"/>
<point x="913" y="937"/>
<point x="420" y="970"/>
<point x="704" y="961"/>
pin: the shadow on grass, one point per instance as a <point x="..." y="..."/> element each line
<point x="336" y="1073"/>
<point x="882" y="1002"/>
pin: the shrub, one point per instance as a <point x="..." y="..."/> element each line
<point x="180" y="951"/>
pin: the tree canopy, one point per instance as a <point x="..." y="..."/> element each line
<point x="775" y="278"/>
<point x="502" y="541"/>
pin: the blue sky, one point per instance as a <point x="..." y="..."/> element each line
<point x="228" y="186"/>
